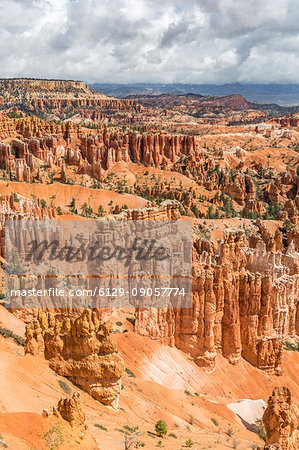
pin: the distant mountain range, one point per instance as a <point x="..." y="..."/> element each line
<point x="281" y="94"/>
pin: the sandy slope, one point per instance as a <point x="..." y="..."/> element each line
<point x="64" y="194"/>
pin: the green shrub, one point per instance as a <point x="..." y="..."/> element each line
<point x="172" y="435"/>
<point x="119" y="324"/>
<point x="9" y="334"/>
<point x="195" y="211"/>
<point x="100" y="426"/>
<point x="54" y="438"/>
<point x="2" y="444"/>
<point x="214" y="421"/>
<point x="187" y="392"/>
<point x="261" y="431"/>
<point x="287" y="225"/>
<point x="272" y="211"/>
<point x="86" y="210"/>
<point x="64" y="386"/>
<point x="15" y="197"/>
<point x="130" y="373"/>
<point x="189" y="443"/>
<point x="161" y="428"/>
<point x="101" y="211"/>
<point x="230" y="432"/>
<point x="292" y="347"/>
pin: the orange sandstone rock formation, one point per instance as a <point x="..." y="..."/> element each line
<point x="70" y="409"/>
<point x="281" y="420"/>
<point x="36" y="143"/>
<point x="81" y="349"/>
<point x="245" y="302"/>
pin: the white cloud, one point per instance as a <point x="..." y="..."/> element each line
<point x="139" y="40"/>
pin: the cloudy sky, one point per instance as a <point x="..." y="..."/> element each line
<point x="124" y="41"/>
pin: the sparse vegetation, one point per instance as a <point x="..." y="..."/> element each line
<point x="288" y="225"/>
<point x="189" y="443"/>
<point x="214" y="421"/>
<point x="2" y="443"/>
<point x="187" y="392"/>
<point x="261" y="431"/>
<point x="64" y="386"/>
<point x="131" y="437"/>
<point x="130" y="373"/>
<point x="101" y="427"/>
<point x="5" y="332"/>
<point x="86" y="210"/>
<point x="54" y="438"/>
<point x="101" y="211"/>
<point x="161" y="428"/>
<point x="272" y="211"/>
<point x="15" y="197"/>
<point x="72" y="205"/>
<point x="235" y="443"/>
<point x="173" y="435"/>
<point x="294" y="347"/>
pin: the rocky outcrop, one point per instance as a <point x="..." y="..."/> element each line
<point x="7" y="129"/>
<point x="36" y="84"/>
<point x="286" y="122"/>
<point x="244" y="304"/>
<point x="19" y="207"/>
<point x="70" y="409"/>
<point x="168" y="210"/>
<point x="281" y="420"/>
<point x="81" y="349"/>
<point x="293" y="237"/>
<point x="22" y="170"/>
<point x="57" y="95"/>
